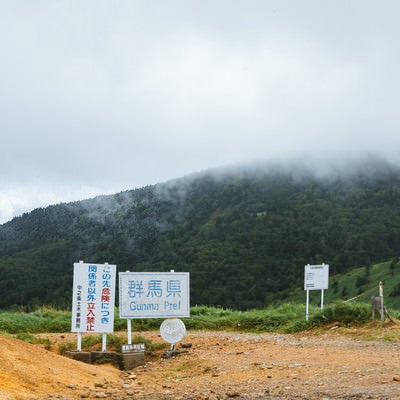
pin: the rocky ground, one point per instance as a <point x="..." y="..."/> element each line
<point x="338" y="363"/>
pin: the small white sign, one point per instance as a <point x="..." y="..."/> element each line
<point x="172" y="330"/>
<point x="154" y="294"/>
<point x="316" y="277"/>
<point x="133" y="348"/>
<point x="93" y="298"/>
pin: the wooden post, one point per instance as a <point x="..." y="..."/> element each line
<point x="382" y="307"/>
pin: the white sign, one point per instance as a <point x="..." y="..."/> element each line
<point x="133" y="348"/>
<point x="316" y="277"/>
<point x="172" y="330"/>
<point x="154" y="294"/>
<point x="93" y="298"/>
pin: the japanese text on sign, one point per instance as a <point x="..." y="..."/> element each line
<point x="93" y="298"/>
<point x="316" y="277"/>
<point x="154" y="295"/>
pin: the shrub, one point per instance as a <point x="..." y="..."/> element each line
<point x="344" y="312"/>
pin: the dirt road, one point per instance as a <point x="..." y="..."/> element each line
<point x="338" y="363"/>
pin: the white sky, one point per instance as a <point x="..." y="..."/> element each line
<point x="102" y="96"/>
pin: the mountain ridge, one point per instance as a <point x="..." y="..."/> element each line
<point x="244" y="233"/>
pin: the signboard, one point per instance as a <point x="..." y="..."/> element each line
<point x="133" y="348"/>
<point x="316" y="277"/>
<point x="154" y="294"/>
<point x="93" y="298"/>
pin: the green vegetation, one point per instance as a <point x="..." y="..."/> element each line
<point x="243" y="235"/>
<point x="30" y="338"/>
<point x="358" y="285"/>
<point x="285" y="318"/>
<point x="114" y="343"/>
<point x="42" y="320"/>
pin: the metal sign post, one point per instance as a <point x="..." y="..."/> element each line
<point x="129" y="329"/>
<point x="316" y="277"/>
<point x="79" y="340"/>
<point x="104" y="342"/>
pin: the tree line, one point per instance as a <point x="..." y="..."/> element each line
<point x="243" y="234"/>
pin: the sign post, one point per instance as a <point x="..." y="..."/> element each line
<point x="316" y="277"/>
<point x="153" y="295"/>
<point x="93" y="299"/>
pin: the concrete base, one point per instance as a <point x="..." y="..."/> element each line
<point x="124" y="361"/>
<point x="84" y="356"/>
<point x="105" y="357"/>
<point x="129" y="361"/>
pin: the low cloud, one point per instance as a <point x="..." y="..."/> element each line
<point x="131" y="94"/>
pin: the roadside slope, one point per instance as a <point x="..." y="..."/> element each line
<point x="28" y="370"/>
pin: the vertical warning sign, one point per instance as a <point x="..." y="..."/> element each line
<point x="93" y="298"/>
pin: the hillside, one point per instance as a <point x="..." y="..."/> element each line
<point x="244" y="233"/>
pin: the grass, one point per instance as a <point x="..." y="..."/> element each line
<point x="284" y="318"/>
<point x="45" y="319"/>
<point x="114" y="343"/>
<point x="360" y="283"/>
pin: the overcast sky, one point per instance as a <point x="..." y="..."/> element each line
<point x="102" y="96"/>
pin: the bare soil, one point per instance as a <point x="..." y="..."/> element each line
<point x="336" y="363"/>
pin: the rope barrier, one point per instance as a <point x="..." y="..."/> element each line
<point x="360" y="295"/>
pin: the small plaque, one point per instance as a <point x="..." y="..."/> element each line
<point x="133" y="348"/>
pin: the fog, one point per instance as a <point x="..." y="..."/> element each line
<point x="100" y="97"/>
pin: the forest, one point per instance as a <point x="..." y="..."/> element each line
<point x="243" y="233"/>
